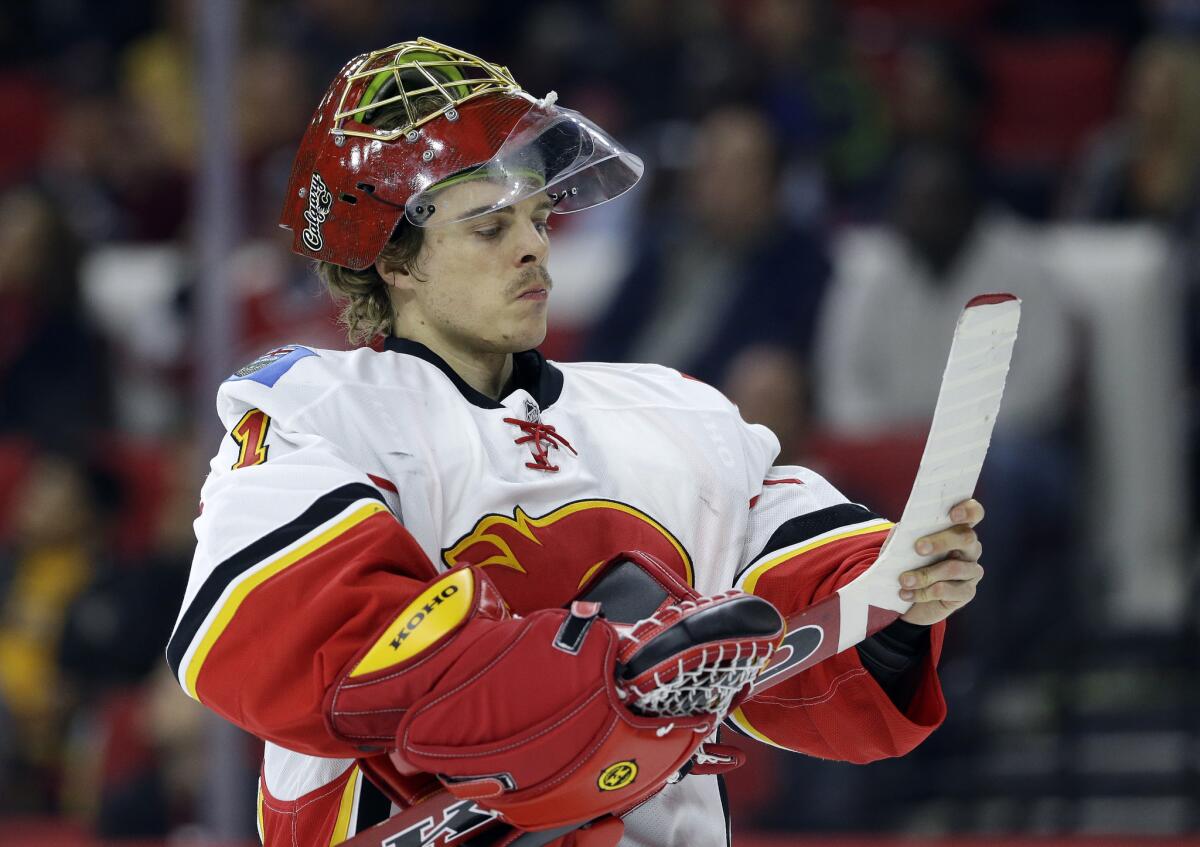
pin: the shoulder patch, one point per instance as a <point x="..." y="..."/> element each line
<point x="269" y="367"/>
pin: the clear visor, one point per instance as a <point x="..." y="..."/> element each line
<point x="556" y="151"/>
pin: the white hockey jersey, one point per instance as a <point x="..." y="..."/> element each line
<point x="336" y="460"/>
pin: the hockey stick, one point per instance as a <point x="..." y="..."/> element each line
<point x="969" y="398"/>
<point x="966" y="409"/>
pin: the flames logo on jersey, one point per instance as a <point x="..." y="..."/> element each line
<point x="542" y="562"/>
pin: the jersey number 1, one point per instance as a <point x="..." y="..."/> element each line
<point x="250" y="434"/>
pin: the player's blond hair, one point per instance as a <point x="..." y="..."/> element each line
<point x="366" y="309"/>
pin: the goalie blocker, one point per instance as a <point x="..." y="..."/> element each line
<point x="564" y="715"/>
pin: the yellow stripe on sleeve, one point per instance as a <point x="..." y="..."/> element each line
<point x="262" y="830"/>
<point x="258" y="577"/>
<point x="341" y="828"/>
<point x="739" y="719"/>
<point x="748" y="582"/>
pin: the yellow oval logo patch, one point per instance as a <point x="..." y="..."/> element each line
<point x="618" y="775"/>
<point x="424" y="622"/>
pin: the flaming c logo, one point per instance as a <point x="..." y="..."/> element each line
<point x="541" y="562"/>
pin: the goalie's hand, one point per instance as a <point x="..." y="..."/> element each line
<point x="942" y="588"/>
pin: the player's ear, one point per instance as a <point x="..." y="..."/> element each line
<point x="396" y="276"/>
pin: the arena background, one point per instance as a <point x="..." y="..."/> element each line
<point x="827" y="182"/>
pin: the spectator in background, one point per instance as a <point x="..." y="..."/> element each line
<point x="650" y="40"/>
<point x="273" y="286"/>
<point x="110" y="173"/>
<point x="899" y="289"/>
<point x="118" y="767"/>
<point x="157" y="76"/>
<point x="832" y="120"/>
<point x="58" y="535"/>
<point x="271" y="111"/>
<point x="769" y="384"/>
<point x="1146" y="165"/>
<point x="938" y="95"/>
<point x="54" y="383"/>
<point x="884" y="335"/>
<point x="724" y="268"/>
<point x="119" y="160"/>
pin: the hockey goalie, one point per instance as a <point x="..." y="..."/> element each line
<point x="443" y="563"/>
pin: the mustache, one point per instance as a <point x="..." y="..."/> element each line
<point x="531" y="276"/>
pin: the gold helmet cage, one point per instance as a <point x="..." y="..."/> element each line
<point x="413" y="71"/>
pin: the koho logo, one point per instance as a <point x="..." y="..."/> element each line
<point x="415" y="621"/>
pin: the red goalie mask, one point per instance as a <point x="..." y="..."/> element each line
<point x="399" y="125"/>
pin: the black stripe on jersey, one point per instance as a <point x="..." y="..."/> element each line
<point x="327" y="506"/>
<point x="803" y="527"/>
<point x="373" y="806"/>
<point x="724" y="792"/>
<point x="729" y="724"/>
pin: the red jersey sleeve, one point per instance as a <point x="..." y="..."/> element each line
<point x="810" y="541"/>
<point x="299" y="564"/>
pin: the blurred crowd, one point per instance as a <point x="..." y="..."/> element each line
<point x="827" y="184"/>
